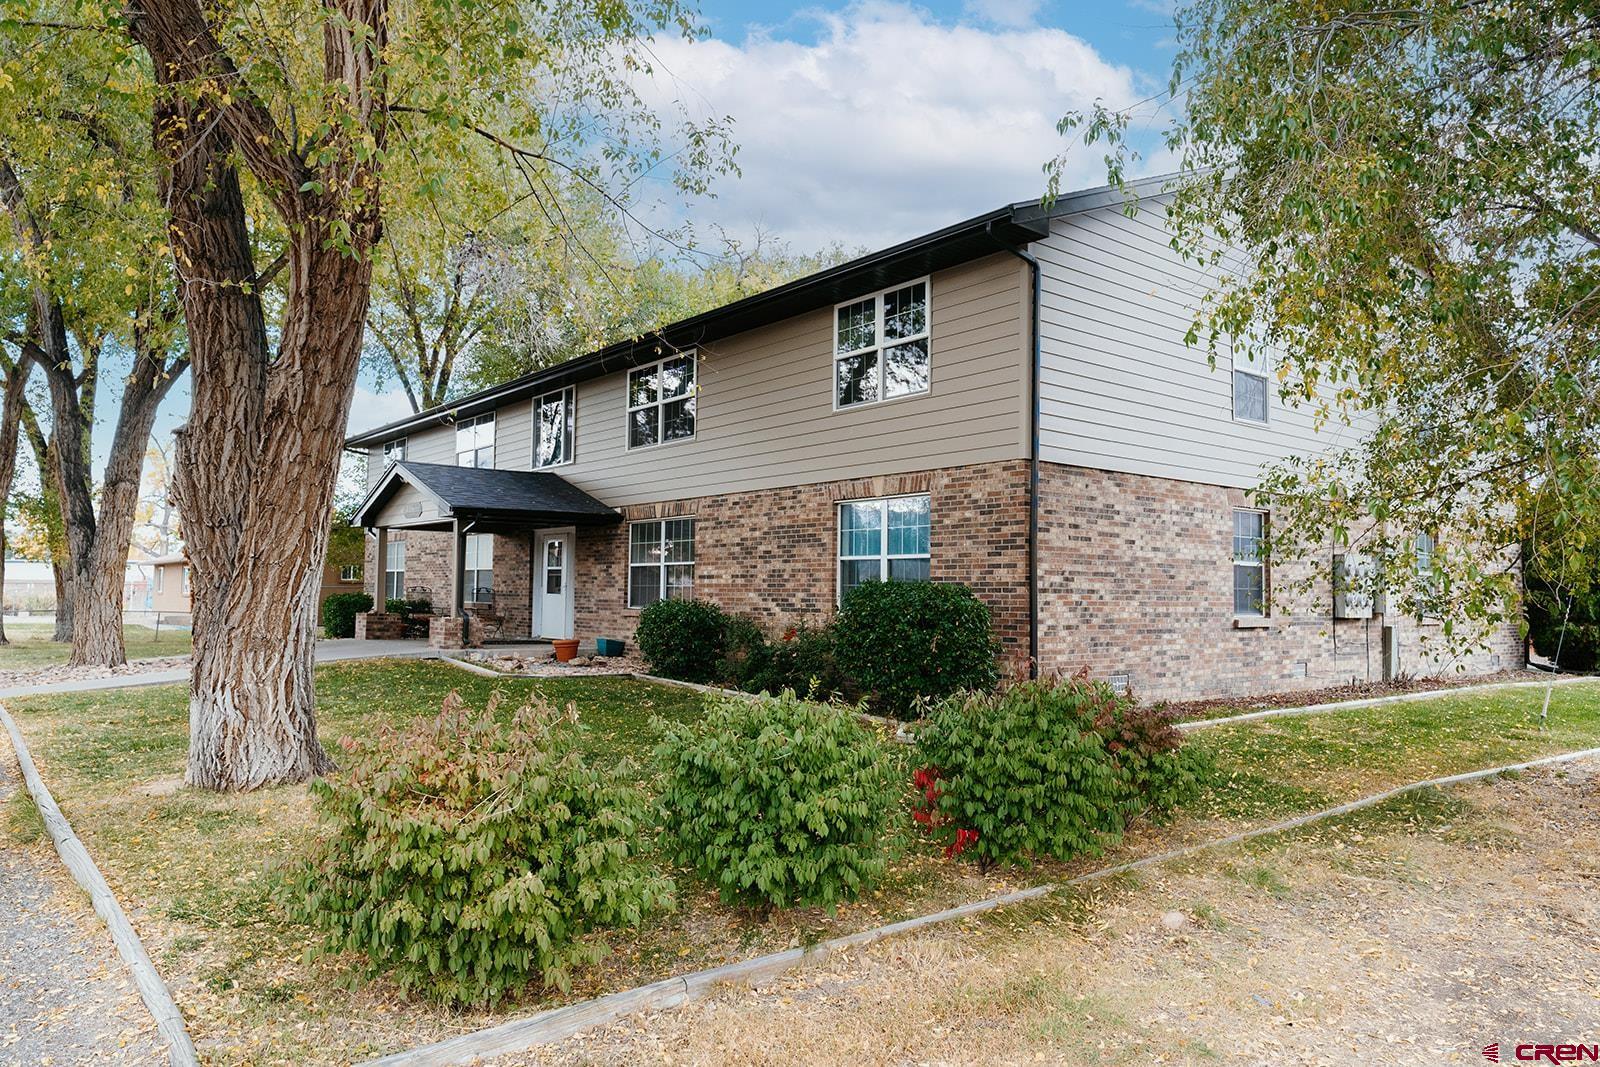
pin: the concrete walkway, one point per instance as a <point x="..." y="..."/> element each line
<point x="335" y="651"/>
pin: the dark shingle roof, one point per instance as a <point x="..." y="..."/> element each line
<point x="522" y="495"/>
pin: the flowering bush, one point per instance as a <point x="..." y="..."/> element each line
<point x="1048" y="769"/>
<point x="466" y="856"/>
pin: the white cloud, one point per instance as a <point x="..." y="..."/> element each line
<point x="369" y="409"/>
<point x="889" y="123"/>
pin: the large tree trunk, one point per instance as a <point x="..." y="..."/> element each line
<point x="97" y="628"/>
<point x="13" y="395"/>
<point x="258" y="459"/>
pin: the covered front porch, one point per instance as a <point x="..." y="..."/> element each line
<point x="490" y="552"/>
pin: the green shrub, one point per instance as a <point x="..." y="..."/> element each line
<point x="777" y="801"/>
<point x="683" y="639"/>
<point x="900" y="641"/>
<point x="467" y="856"/>
<point x="1161" y="773"/>
<point x="1024" y="773"/>
<point x="1564" y="629"/>
<point x="407" y="608"/>
<point x="745" y="652"/>
<point x="339" y="613"/>
<point x="804" y="660"/>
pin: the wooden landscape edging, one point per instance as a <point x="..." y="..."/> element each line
<point x="557" y="1023"/>
<point x="157" y="998"/>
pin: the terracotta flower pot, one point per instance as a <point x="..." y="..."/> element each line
<point x="566" y="649"/>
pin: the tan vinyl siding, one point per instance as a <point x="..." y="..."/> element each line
<point x="407" y="507"/>
<point x="1119" y="388"/>
<point x="766" y="415"/>
<point x="765" y="411"/>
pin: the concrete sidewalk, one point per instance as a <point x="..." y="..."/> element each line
<point x="332" y="651"/>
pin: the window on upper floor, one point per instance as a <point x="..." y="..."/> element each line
<point x="553" y="420"/>
<point x="1249" y="388"/>
<point x="880" y="346"/>
<point x="884" y="541"/>
<point x="477" y="569"/>
<point x="661" y="401"/>
<point x="394" y="451"/>
<point x="350" y="572"/>
<point x="1249" y="561"/>
<point x="475" y="441"/>
<point x="660" y="561"/>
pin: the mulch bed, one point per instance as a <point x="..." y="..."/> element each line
<point x="1211" y="707"/>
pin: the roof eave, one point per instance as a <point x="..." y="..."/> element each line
<point x="962" y="242"/>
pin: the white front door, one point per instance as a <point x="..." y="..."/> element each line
<point x="552" y="595"/>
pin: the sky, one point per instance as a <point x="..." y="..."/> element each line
<point x="867" y="123"/>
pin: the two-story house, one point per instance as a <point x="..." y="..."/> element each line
<point x="1007" y="402"/>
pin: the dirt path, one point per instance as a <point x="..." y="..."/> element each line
<point x="1417" y="934"/>
<point x="65" y="996"/>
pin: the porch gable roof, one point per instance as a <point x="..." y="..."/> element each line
<point x="501" y="496"/>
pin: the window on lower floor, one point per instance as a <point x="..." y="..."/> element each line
<point x="350" y="572"/>
<point x="394" y="571"/>
<point x="884" y="541"/>
<point x="186" y="571"/>
<point x="660" y="561"/>
<point x="1249" y="562"/>
<point x="477" y="569"/>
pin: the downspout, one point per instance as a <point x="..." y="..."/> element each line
<point x="1033" y="448"/>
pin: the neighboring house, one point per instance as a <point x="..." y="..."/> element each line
<point x="934" y="410"/>
<point x="31" y="586"/>
<point x="169" y="584"/>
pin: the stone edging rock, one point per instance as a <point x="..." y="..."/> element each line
<point x="157" y="997"/>
<point x="549" y="1026"/>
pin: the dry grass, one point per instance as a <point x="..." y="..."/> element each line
<point x="30" y="645"/>
<point x="1415" y="933"/>
<point x="198" y="871"/>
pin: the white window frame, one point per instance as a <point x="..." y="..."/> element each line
<point x="693" y="356"/>
<point x="1424" y="558"/>
<point x="878" y="343"/>
<point x="474" y="547"/>
<point x="1260" y="563"/>
<point x="474" y="423"/>
<point x="160" y="578"/>
<point x="186" y="570"/>
<point x="569" y="427"/>
<point x="394" y="451"/>
<point x="883" y="555"/>
<point x="661" y="565"/>
<point x="351" y="572"/>
<point x="1247" y="368"/>
<point x="394" y="549"/>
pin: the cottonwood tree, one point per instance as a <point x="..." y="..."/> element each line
<point x="452" y="313"/>
<point x="13" y="397"/>
<point x="282" y="126"/>
<point x="85" y="237"/>
<point x="1402" y="208"/>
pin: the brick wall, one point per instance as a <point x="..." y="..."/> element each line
<point x="772" y="554"/>
<point x="428" y="574"/>
<point x="1136" y="578"/>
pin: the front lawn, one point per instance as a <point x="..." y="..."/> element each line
<point x="198" y="870"/>
<point x="30" y="645"/>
